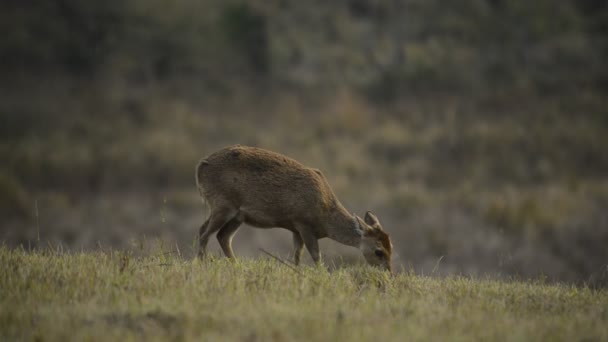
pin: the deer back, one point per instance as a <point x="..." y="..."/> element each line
<point x="264" y="181"/>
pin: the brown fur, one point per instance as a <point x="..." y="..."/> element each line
<point x="384" y="240"/>
<point x="265" y="189"/>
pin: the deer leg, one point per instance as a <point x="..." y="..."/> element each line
<point x="224" y="236"/>
<point x="312" y="244"/>
<point x="216" y="221"/>
<point x="202" y="243"/>
<point x="298" y="247"/>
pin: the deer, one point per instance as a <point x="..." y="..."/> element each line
<point x="264" y="189"/>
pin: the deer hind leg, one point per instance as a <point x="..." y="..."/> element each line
<point x="202" y="243"/>
<point x="298" y="247"/>
<point x="225" y="235"/>
<point x="216" y="221"/>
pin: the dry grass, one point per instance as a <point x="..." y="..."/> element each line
<point x="52" y="295"/>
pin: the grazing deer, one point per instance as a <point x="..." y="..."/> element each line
<point x="265" y="189"/>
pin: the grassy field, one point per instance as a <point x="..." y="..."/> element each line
<point x="104" y="295"/>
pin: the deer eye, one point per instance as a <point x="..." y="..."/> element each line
<point x="379" y="253"/>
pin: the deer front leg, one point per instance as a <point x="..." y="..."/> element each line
<point x="312" y="244"/>
<point x="298" y="247"/>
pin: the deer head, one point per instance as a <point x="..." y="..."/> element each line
<point x="375" y="244"/>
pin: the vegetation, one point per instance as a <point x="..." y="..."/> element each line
<point x="475" y="130"/>
<point x="54" y="295"/>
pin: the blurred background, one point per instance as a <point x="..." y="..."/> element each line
<point x="476" y="130"/>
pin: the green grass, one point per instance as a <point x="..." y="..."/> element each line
<point x="52" y="295"/>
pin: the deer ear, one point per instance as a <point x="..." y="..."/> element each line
<point x="361" y="226"/>
<point x="372" y="220"/>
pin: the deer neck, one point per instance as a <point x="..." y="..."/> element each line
<point x="343" y="228"/>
